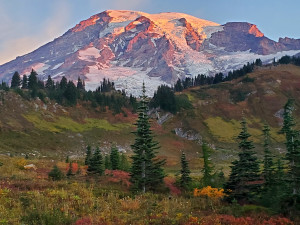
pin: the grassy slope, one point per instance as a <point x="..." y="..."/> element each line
<point x="33" y="127"/>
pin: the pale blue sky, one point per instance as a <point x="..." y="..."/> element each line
<point x="28" y="24"/>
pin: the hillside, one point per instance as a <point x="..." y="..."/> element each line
<point x="48" y="129"/>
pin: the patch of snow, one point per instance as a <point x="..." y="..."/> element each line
<point x="152" y="40"/>
<point x="57" y="66"/>
<point x="136" y="23"/>
<point x="89" y="54"/>
<point x="129" y="79"/>
<point x="114" y="28"/>
<point x="40" y="68"/>
<point x="237" y="59"/>
<point x="209" y="30"/>
<point x="57" y="75"/>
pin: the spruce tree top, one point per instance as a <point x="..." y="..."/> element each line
<point x="245" y="144"/>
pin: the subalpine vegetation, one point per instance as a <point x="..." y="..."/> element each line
<point x="114" y="188"/>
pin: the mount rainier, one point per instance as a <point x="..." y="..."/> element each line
<point x="130" y="47"/>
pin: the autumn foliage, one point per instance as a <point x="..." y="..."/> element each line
<point x="213" y="193"/>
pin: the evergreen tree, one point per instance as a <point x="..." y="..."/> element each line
<point x="24" y="82"/>
<point x="258" y="62"/>
<point x="244" y="178"/>
<point x="49" y="83"/>
<point x="146" y="171"/>
<point x="207" y="166"/>
<point x="268" y="170"/>
<point x="96" y="163"/>
<point x="293" y="148"/>
<point x="63" y="83"/>
<point x="70" y="93"/>
<point x="115" y="158"/>
<point x="185" y="178"/>
<point x="107" y="163"/>
<point x="88" y="155"/>
<point x="80" y="84"/>
<point x="40" y="84"/>
<point x="32" y="80"/>
<point x="56" y="174"/>
<point x="16" y="80"/>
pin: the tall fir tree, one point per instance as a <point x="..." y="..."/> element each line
<point x="15" y="80"/>
<point x="107" y="163"/>
<point x="244" y="180"/>
<point x="63" y="83"/>
<point x="71" y="93"/>
<point x="293" y="149"/>
<point x="185" y="172"/>
<point x="115" y="158"/>
<point x="80" y="85"/>
<point x="207" y="169"/>
<point x="96" y="163"/>
<point x="32" y="80"/>
<point x="24" y="82"/>
<point x="268" y="169"/>
<point x="146" y="172"/>
<point x="49" y="83"/>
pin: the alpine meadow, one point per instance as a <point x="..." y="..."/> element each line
<point x="148" y="118"/>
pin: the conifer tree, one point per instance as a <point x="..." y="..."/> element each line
<point x="49" y="83"/>
<point x="63" y="83"/>
<point x="80" y="84"/>
<point x="114" y="158"/>
<point x="244" y="178"/>
<point x="32" y="80"/>
<point x="96" y="163"/>
<point x="268" y="170"/>
<point x="293" y="148"/>
<point x="88" y="155"/>
<point x="185" y="178"/>
<point x="16" y="80"/>
<point x="146" y="172"/>
<point x="107" y="163"/>
<point x="70" y="93"/>
<point x="207" y="166"/>
<point x="24" y="82"/>
<point x="55" y="174"/>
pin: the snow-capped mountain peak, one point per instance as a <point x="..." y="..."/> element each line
<point x="130" y="47"/>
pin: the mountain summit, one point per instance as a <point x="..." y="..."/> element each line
<point x="130" y="47"/>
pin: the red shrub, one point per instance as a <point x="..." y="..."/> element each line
<point x="118" y="176"/>
<point x="170" y="183"/>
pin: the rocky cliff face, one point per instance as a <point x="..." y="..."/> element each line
<point x="131" y="47"/>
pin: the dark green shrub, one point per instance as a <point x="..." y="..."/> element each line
<point x="56" y="174"/>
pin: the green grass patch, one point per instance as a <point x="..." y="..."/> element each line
<point x="61" y="124"/>
<point x="227" y="131"/>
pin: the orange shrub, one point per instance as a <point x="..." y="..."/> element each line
<point x="75" y="167"/>
<point x="214" y="193"/>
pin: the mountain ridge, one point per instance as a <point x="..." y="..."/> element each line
<point x="130" y="47"/>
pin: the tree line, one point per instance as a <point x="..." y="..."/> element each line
<point x="65" y="92"/>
